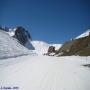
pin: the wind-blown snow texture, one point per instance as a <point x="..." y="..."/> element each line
<point x="84" y="34"/>
<point x="9" y="47"/>
<point x="45" y="73"/>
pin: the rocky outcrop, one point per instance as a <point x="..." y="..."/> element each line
<point x="79" y="46"/>
<point x="51" y="51"/>
<point x="23" y="37"/>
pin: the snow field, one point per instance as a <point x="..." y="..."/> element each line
<point x="46" y="73"/>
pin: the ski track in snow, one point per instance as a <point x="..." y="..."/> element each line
<point x="45" y="73"/>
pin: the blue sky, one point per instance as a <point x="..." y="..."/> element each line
<point x="52" y="21"/>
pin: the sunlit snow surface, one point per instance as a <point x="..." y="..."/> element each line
<point x="37" y="72"/>
<point x="45" y="73"/>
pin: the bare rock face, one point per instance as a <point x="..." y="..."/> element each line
<point x="79" y="46"/>
<point x="22" y="35"/>
<point x="51" y="49"/>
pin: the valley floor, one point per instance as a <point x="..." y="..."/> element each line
<point x="45" y="73"/>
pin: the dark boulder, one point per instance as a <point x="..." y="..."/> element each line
<point x="51" y="49"/>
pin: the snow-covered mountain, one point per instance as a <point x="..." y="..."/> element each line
<point x="9" y="46"/>
<point x="28" y="44"/>
<point x="41" y="47"/>
<point x="84" y="34"/>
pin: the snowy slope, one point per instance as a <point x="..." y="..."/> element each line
<point x="84" y="34"/>
<point x="45" y="73"/>
<point x="11" y="32"/>
<point x="9" y="47"/>
<point x="42" y="47"/>
<point x="27" y="45"/>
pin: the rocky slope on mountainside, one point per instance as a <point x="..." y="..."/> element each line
<point x="79" y="46"/>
